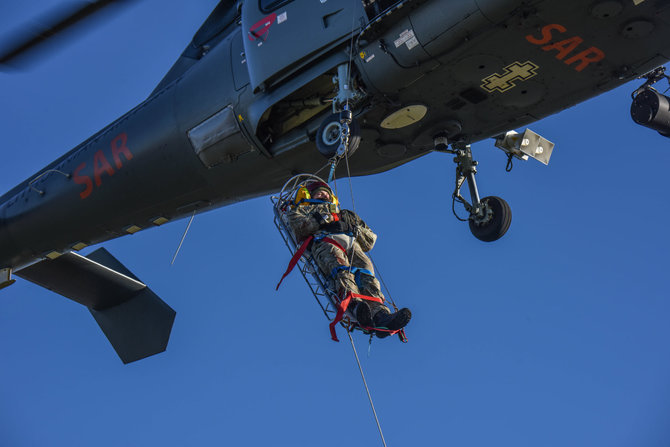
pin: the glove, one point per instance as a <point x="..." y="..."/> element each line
<point x="338" y="227"/>
<point x="321" y="218"/>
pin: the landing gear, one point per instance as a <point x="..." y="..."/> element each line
<point x="334" y="131"/>
<point x="490" y="217"/>
<point x="494" y="222"/>
<point x="340" y="134"/>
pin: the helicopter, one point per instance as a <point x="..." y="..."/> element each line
<point x="249" y="104"/>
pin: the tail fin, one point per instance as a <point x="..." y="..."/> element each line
<point x="133" y="318"/>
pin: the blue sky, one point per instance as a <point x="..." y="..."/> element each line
<point x="555" y="335"/>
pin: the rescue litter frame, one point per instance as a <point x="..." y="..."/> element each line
<point x="322" y="287"/>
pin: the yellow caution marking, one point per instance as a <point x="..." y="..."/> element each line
<point x="160" y="221"/>
<point x="132" y="229"/>
<point x="53" y="255"/>
<point x="79" y="246"/>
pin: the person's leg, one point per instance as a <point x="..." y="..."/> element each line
<point x="382" y="317"/>
<point x="334" y="264"/>
<point x="367" y="284"/>
<point x="331" y="261"/>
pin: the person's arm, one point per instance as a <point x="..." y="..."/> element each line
<point x="303" y="223"/>
<point x="365" y="237"/>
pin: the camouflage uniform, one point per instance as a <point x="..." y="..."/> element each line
<point x="328" y="256"/>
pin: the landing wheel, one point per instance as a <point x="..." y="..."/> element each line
<point x="494" y="221"/>
<point x="329" y="133"/>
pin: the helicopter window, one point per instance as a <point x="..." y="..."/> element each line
<point x="269" y="5"/>
<point x="218" y="139"/>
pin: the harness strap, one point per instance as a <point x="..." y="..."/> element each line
<point x="331" y="241"/>
<point x="300" y="251"/>
<point x="343" y="304"/>
<point x="311" y="201"/>
<point x="342" y="307"/>
<point x="357" y="271"/>
<point x="294" y="260"/>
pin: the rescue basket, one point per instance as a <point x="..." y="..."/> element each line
<point x="322" y="287"/>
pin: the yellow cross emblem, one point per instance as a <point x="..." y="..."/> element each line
<point x="516" y="71"/>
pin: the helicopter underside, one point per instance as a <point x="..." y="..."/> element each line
<point x="244" y="108"/>
<point x="464" y="70"/>
<point x="474" y="72"/>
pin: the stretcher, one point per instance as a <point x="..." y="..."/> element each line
<point x="322" y="286"/>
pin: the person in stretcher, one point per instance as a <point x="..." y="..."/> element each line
<point x="339" y="240"/>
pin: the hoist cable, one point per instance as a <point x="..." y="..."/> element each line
<point x="381" y="279"/>
<point x="351" y="48"/>
<point x="367" y="390"/>
<point x="321" y="169"/>
<point x="332" y="177"/>
<point x="351" y="187"/>
<point x="353" y="206"/>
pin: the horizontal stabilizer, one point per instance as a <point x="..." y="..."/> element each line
<point x="136" y="321"/>
<point x="137" y="328"/>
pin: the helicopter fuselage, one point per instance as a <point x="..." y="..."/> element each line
<point x="239" y="112"/>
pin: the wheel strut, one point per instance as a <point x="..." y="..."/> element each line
<point x="466" y="168"/>
<point x="489" y="218"/>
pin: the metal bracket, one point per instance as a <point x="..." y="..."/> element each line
<point x="528" y="144"/>
<point x="651" y="77"/>
<point x="345" y="94"/>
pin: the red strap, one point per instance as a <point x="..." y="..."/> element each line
<point x="342" y="307"/>
<point x="294" y="260"/>
<point x="332" y="241"/>
<point x="344" y="304"/>
<point x="298" y="254"/>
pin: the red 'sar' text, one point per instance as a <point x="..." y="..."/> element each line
<point x="101" y="165"/>
<point x="579" y="60"/>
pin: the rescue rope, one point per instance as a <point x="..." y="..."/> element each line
<point x="353" y="250"/>
<point x="381" y="280"/>
<point x="351" y="185"/>
<point x="322" y="168"/>
<point x="351" y="49"/>
<point x="367" y="390"/>
<point x="333" y="162"/>
<point x="353" y="206"/>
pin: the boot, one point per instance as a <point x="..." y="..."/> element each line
<point x="383" y="319"/>
<point x="363" y="314"/>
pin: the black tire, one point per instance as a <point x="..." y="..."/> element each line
<point x="494" y="227"/>
<point x="328" y="136"/>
